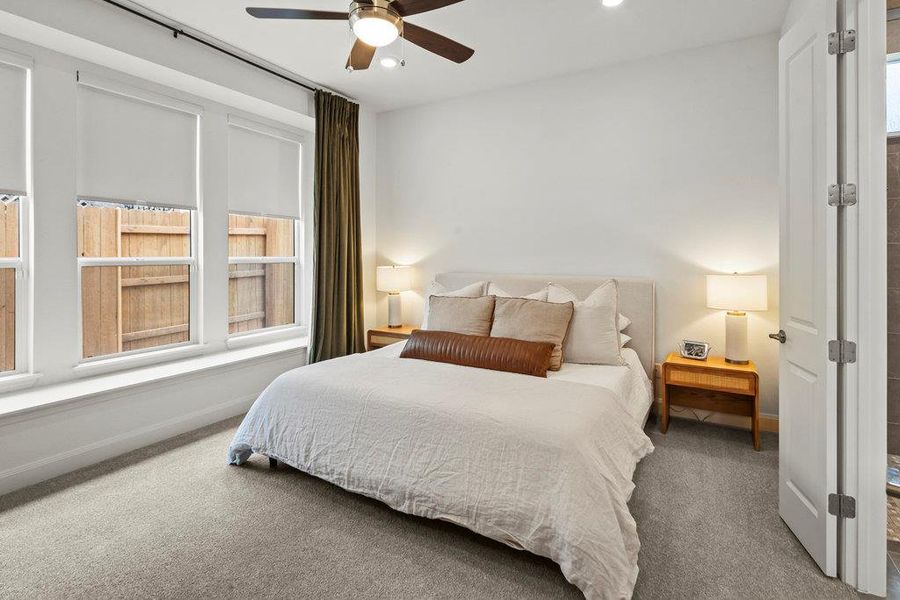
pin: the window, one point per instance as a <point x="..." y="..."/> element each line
<point x="137" y="180"/>
<point x="262" y="272"/>
<point x="263" y="251"/>
<point x="10" y="267"/>
<point x="135" y="267"/>
<point x="14" y="140"/>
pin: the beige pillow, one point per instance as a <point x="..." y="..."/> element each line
<point x="533" y="321"/>
<point x="473" y="290"/>
<point x="469" y="316"/>
<point x="594" y="333"/>
<point x="495" y="290"/>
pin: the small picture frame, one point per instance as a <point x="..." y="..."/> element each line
<point x="695" y="350"/>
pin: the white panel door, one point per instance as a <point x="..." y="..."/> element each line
<point x="807" y="380"/>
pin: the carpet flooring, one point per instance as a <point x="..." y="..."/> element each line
<point x="174" y="521"/>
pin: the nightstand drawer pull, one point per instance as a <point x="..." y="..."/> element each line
<point x="711" y="380"/>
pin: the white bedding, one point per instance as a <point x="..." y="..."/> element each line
<point x="539" y="464"/>
<point x="629" y="383"/>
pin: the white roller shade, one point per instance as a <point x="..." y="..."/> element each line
<point x="263" y="170"/>
<point x="13" y="128"/>
<point x="136" y="147"/>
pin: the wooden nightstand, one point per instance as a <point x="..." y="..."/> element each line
<point x="710" y="384"/>
<point x="379" y="337"/>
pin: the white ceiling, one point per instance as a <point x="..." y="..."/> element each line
<point x="515" y="41"/>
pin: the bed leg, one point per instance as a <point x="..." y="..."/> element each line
<point x="273" y="463"/>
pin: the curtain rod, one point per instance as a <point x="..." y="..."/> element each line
<point x="180" y="32"/>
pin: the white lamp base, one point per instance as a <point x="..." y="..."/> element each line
<point x="395" y="311"/>
<point x="737" y="349"/>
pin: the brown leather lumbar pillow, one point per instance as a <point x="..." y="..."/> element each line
<point x="494" y="353"/>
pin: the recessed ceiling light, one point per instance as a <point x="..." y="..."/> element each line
<point x="390" y="62"/>
<point x="611" y="3"/>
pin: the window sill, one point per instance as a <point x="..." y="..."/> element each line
<point x="67" y="393"/>
<point x="20" y="381"/>
<point x="102" y="366"/>
<point x="255" y="338"/>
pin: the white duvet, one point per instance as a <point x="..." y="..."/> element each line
<point x="539" y="464"/>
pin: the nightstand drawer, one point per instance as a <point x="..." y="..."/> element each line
<point x="379" y="337"/>
<point x="380" y="341"/>
<point x="738" y="384"/>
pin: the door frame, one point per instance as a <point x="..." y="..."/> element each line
<point x="864" y="387"/>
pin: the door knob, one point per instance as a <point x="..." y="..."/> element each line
<point x="781" y="336"/>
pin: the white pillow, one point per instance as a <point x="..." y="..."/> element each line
<point x="593" y="333"/>
<point x="624" y="322"/>
<point x="495" y="290"/>
<point x="474" y="290"/>
<point x="624" y="339"/>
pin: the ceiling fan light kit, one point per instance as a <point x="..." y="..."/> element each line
<point x="377" y="23"/>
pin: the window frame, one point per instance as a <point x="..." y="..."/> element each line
<point x="23" y="368"/>
<point x="40" y="351"/>
<point x="23" y="286"/>
<point x="155" y="353"/>
<point x="267" y="334"/>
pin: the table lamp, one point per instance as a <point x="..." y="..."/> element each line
<point x="394" y="280"/>
<point x="737" y="294"/>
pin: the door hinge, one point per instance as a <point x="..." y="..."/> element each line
<point x="842" y="42"/>
<point x="842" y="352"/>
<point x="842" y="506"/>
<point x="843" y="194"/>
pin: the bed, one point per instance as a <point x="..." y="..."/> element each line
<point x="543" y="465"/>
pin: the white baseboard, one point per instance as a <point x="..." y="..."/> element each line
<point x="89" y="454"/>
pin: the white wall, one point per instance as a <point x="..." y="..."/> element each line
<point x="664" y="168"/>
<point x="367" y="196"/>
<point x="116" y="29"/>
<point x="53" y="440"/>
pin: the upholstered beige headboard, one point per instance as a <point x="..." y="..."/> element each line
<point x="637" y="300"/>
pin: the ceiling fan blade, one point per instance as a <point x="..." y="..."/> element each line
<point x="413" y="7"/>
<point x="436" y="43"/>
<point x="360" y="56"/>
<point x="296" y="13"/>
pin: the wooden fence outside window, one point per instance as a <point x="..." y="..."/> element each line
<point x="9" y="248"/>
<point x="136" y="307"/>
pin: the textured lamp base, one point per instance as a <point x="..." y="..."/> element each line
<point x="737" y="349"/>
<point x="395" y="311"/>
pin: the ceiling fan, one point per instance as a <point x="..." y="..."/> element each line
<point x="377" y="23"/>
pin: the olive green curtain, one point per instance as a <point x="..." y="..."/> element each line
<point x="337" y="318"/>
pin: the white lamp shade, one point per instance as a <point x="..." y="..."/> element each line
<point x="393" y="279"/>
<point x="737" y="292"/>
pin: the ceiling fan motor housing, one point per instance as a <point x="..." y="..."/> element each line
<point x="375" y="9"/>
